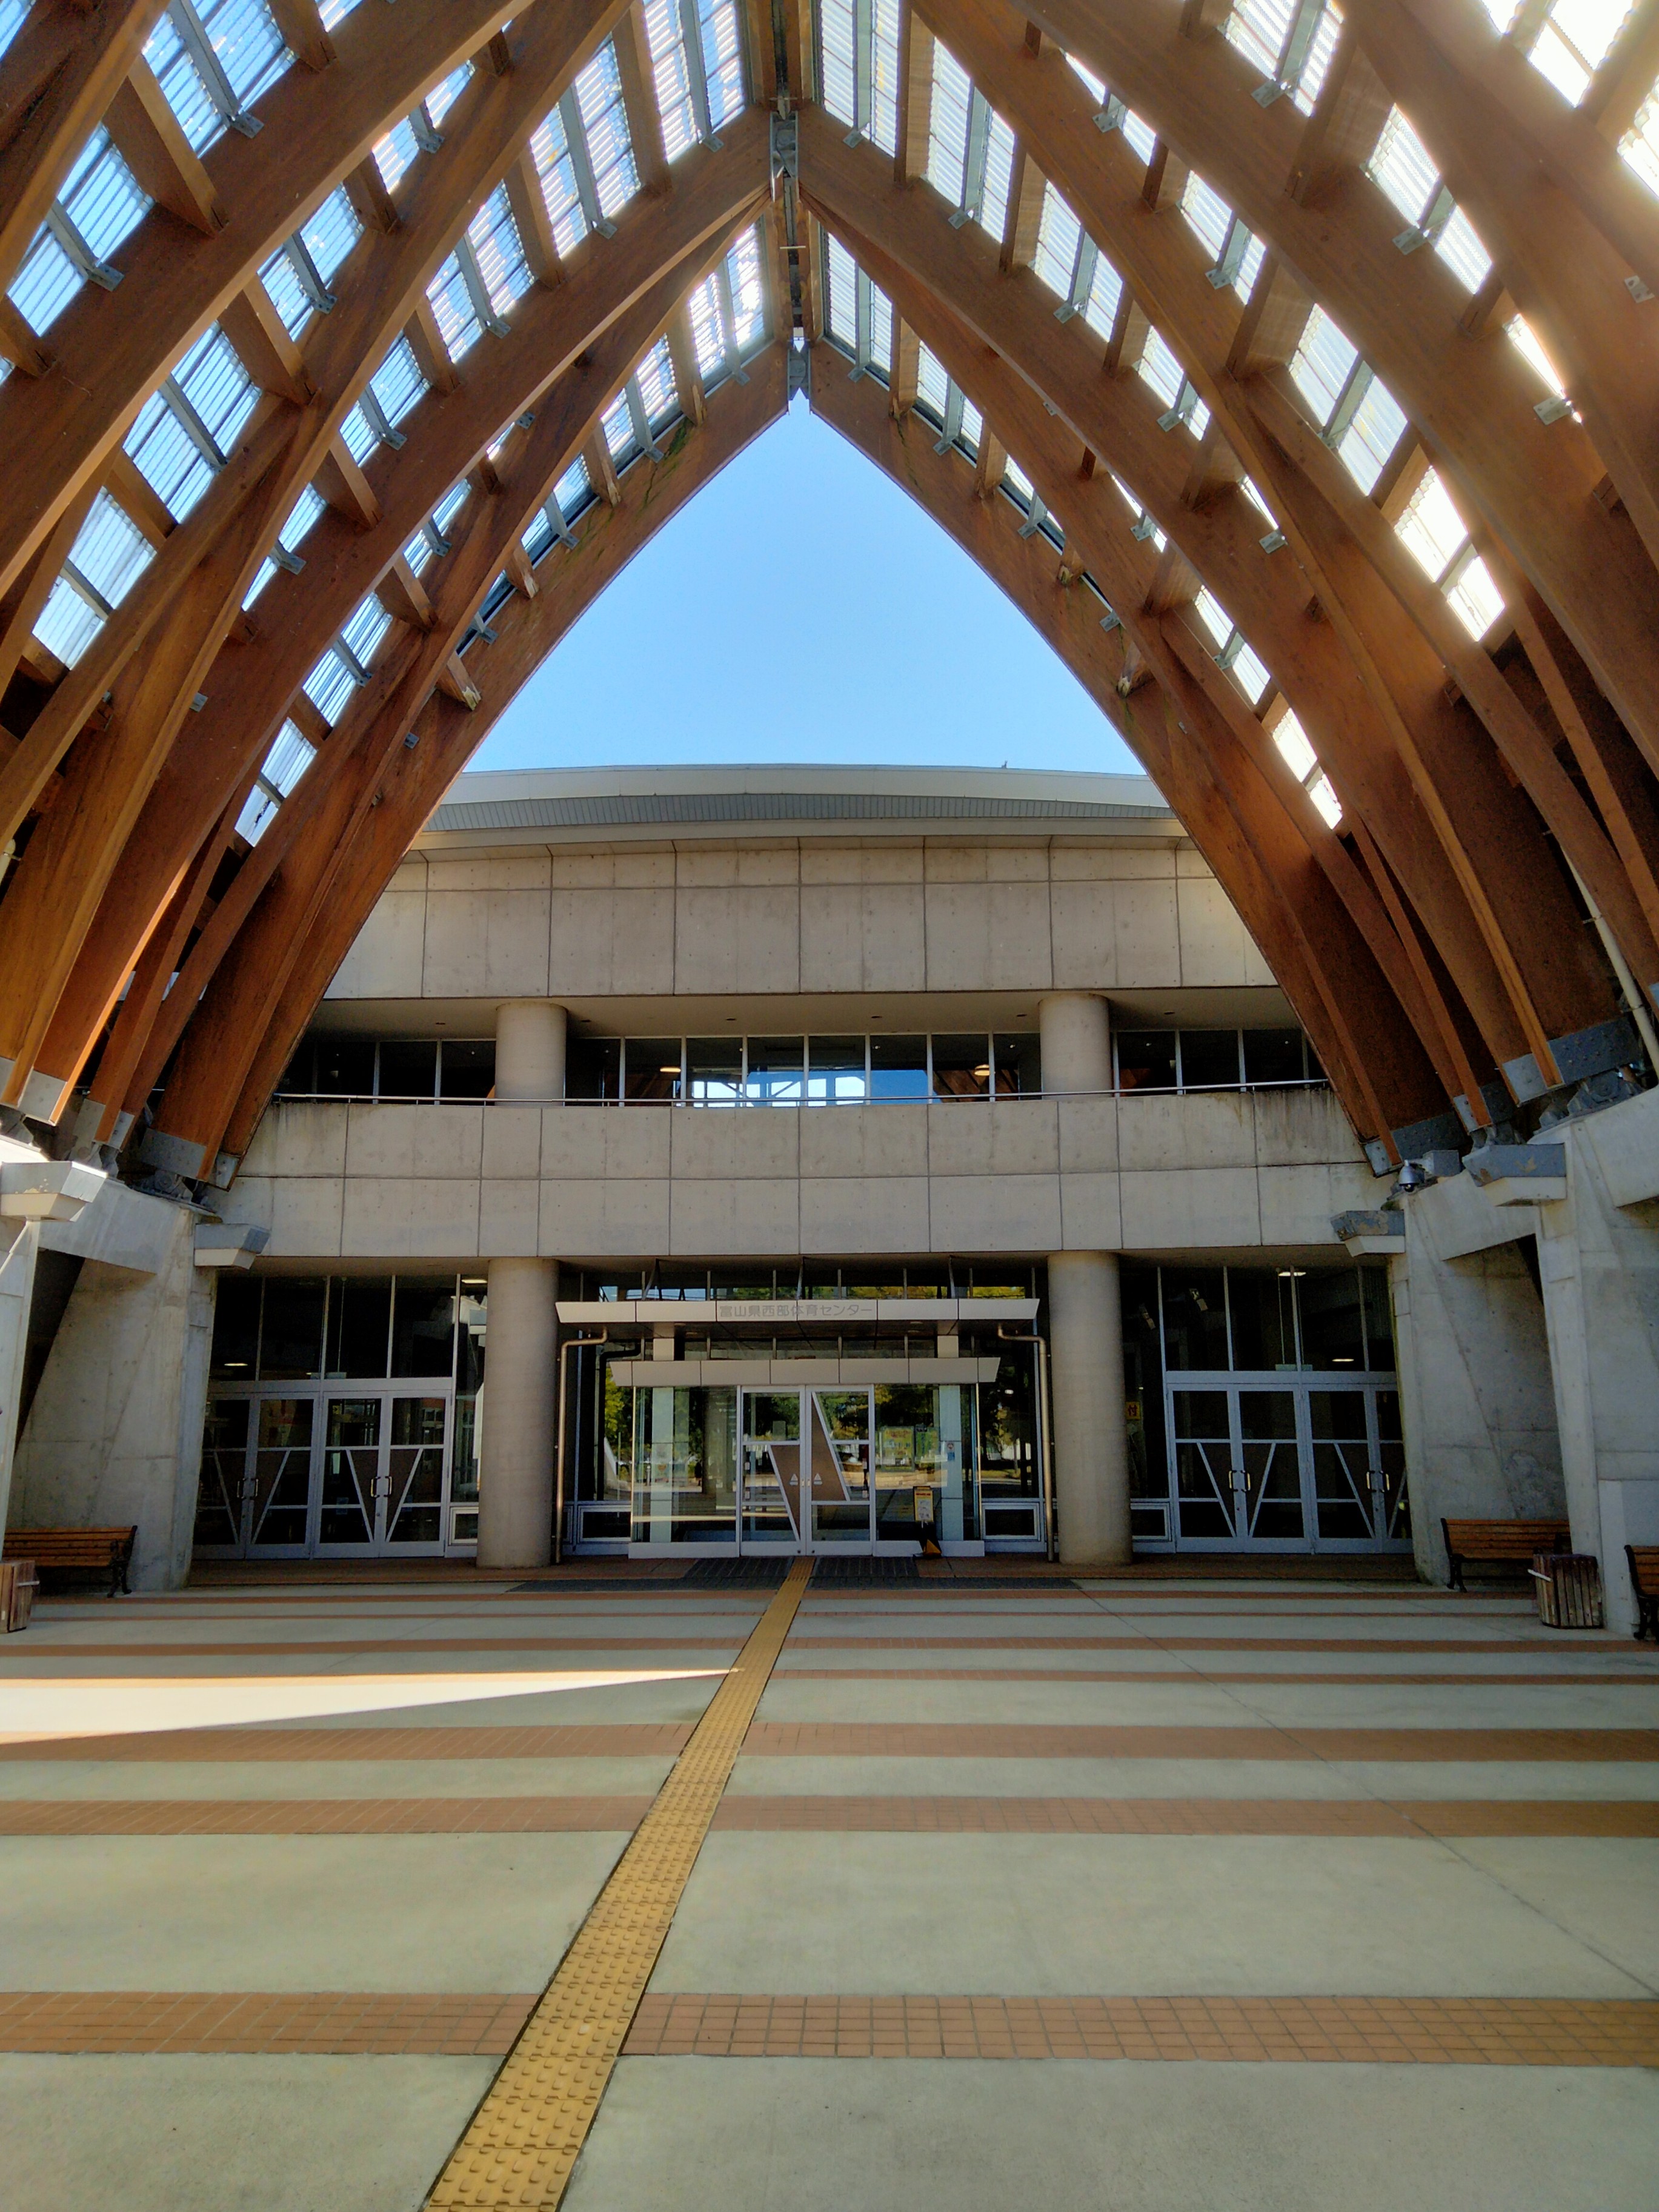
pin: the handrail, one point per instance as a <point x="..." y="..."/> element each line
<point x="802" y="1105"/>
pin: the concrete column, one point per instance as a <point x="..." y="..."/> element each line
<point x="1077" y="1042"/>
<point x="1092" y="1449"/>
<point x="530" y="1036"/>
<point x="18" y="1243"/>
<point x="515" y="1486"/>
<point x="1086" y="1331"/>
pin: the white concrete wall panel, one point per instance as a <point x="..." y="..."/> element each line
<point x="995" y="1214"/>
<point x="1203" y="1129"/>
<point x="1088" y="1135"/>
<point x="1173" y="1210"/>
<point x="509" y="1223"/>
<point x="1018" y="1138"/>
<point x="710" y="1143"/>
<point x="876" y="1141"/>
<point x="388" y="957"/>
<point x="512" y="1142"/>
<point x="406" y="1217"/>
<point x="429" y="1143"/>
<point x="1091" y="1213"/>
<point x="734" y="1215"/>
<point x="847" y="1213"/>
<point x="621" y="1219"/>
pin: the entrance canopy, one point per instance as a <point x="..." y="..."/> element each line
<point x="1289" y="366"/>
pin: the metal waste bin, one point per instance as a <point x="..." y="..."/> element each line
<point x="1568" y="1588"/>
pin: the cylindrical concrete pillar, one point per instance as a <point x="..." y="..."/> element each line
<point x="1077" y="1042"/>
<point x="515" y="1475"/>
<point x="1092" y="1445"/>
<point x="530" y="1051"/>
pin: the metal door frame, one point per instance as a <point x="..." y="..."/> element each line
<point x="1301" y="1383"/>
<point x="380" y="1546"/>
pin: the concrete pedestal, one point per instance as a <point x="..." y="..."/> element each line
<point x="529" y="1037"/>
<point x="1092" y="1452"/>
<point x="515" y="1484"/>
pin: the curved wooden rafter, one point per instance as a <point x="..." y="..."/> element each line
<point x="1496" y="793"/>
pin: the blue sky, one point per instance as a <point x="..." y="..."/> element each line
<point x="801" y="608"/>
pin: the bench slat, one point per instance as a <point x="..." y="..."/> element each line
<point x="1500" y="1539"/>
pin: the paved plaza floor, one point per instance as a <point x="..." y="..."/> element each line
<point x="1146" y="1894"/>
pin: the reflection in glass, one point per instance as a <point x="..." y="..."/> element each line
<point x="1203" y="1464"/>
<point x="835" y="1070"/>
<point x="423" y="1327"/>
<point x="1332" y="1323"/>
<point x="415" y="1472"/>
<point x="291" y="1336"/>
<point x="777" y="1070"/>
<point x="1145" y="1059"/>
<point x="224" y="1460"/>
<point x="1272" y="1464"/>
<point x="713" y="1071"/>
<point x="771" y="1467"/>
<point x="352" y="1468"/>
<point x="466" y="1067"/>
<point x="1263" y="1305"/>
<point x="282" y="1475"/>
<point x="1209" y="1059"/>
<point x="592" y="1067"/>
<point x="685" y="1487"/>
<point x="1195" y="1317"/>
<point x="1343" y="1503"/>
<point x="652" y="1068"/>
<point x="962" y="1067"/>
<point x="1273" y="1056"/>
<point x="359" y="1326"/>
<point x="409" y="1070"/>
<point x="1019" y="1064"/>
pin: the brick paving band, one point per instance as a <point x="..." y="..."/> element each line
<point x="431" y="1647"/>
<point x="1049" y="1739"/>
<point x="1322" y="2030"/>
<point x="1410" y="1677"/>
<point x="1150" y="1640"/>
<point x="1367" y="2031"/>
<point x="1410" y="1819"/>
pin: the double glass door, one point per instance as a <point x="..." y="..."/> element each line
<point x="1287" y="1467"/>
<point x="805" y="1470"/>
<point x="356" y="1474"/>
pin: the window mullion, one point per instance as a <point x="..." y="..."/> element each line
<point x="192" y="34"/>
<point x="582" y="165"/>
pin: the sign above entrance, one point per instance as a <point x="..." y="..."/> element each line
<point x="833" y="1312"/>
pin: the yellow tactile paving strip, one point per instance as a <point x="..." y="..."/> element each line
<point x="525" y="2136"/>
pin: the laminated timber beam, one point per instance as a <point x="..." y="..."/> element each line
<point x="605" y="314"/>
<point x="415" y="778"/>
<point x="1565" y="255"/>
<point x="1248" y="826"/>
<point x="1463" y="839"/>
<point x="111" y="349"/>
<point x="1532" y="484"/>
<point x="304" y="845"/>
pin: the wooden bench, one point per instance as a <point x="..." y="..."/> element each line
<point x="76" y="1551"/>
<point x="1500" y="1540"/>
<point x="1645" y="1582"/>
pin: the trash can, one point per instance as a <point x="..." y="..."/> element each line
<point x="1568" y="1588"/>
<point x="18" y="1583"/>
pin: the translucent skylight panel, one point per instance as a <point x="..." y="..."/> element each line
<point x="287" y="295"/>
<point x="1250" y="674"/>
<point x="1399" y="163"/>
<point x="12" y="13"/>
<point x="658" y="392"/>
<point x="442" y="97"/>
<point x="599" y="101"/>
<point x="999" y="176"/>
<point x="367" y="626"/>
<point x="102" y="197"/>
<point x="1640" y="144"/>
<point x="1059" y="235"/>
<point x="618" y="427"/>
<point x="68" y="623"/>
<point x="1139" y="136"/>
<point x="336" y="11"/>
<point x="305" y="511"/>
<point x="932" y="384"/>
<point x="1459" y="246"/>
<point x="1474" y="599"/>
<point x="397" y="154"/>
<point x="573" y="491"/>
<point x="1291" y="739"/>
<point x="452" y="304"/>
<point x="502" y="263"/>
<point x="1014" y="474"/>
<point x="1214" y="618"/>
<point x="46" y="284"/>
<point x="1524" y="339"/>
<point x="1322" y="364"/>
<point x="1431" y="527"/>
<point x="837" y="80"/>
<point x="360" y="435"/>
<point x="1322" y="793"/>
<point x="450" y="505"/>
<point x="330" y="233"/>
<point x="881" y="329"/>
<point x="549" y="150"/>
<point x="672" y="73"/>
<point x="1160" y="368"/>
<point x="182" y="85"/>
<point x="842" y="287"/>
<point x="111" y="551"/>
<point x="329" y="687"/>
<point x="1105" y="295"/>
<point x="419" y="551"/>
<point x="1377" y="427"/>
<point x="884" y="74"/>
<point x="743" y="274"/>
<point x="722" y="56"/>
<point x="398" y="383"/>
<point x="1207" y="213"/>
<point x="707" y="331"/>
<point x="947" y="126"/>
<point x="213" y="378"/>
<point x="250" y="50"/>
<point x="1574" y="41"/>
<point x="972" y="433"/>
<point x="167" y="458"/>
<point x="1258" y="28"/>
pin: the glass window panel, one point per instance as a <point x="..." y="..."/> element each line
<point x="898" y="1067"/>
<point x="224" y="1463"/>
<point x="359" y="1320"/>
<point x="1333" y="1328"/>
<point x="424" y="1326"/>
<point x="291" y="1335"/>
<point x="713" y="1071"/>
<point x="653" y="1067"/>
<point x="592" y="1067"/>
<point x="1209" y="1059"/>
<point x="345" y="1067"/>
<point x="466" y="1067"/>
<point x="1263" y="1301"/>
<point x="1194" y="1317"/>
<point x="835" y="1070"/>
<point x="1379" y="1320"/>
<point x="1273" y="1056"/>
<point x="777" y="1068"/>
<point x="1145" y="1059"/>
<point x="474" y="1303"/>
<point x="962" y="1065"/>
<point x="1018" y="1063"/>
<point x="409" y="1069"/>
<point x="236" y="1327"/>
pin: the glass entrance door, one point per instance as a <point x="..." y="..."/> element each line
<point x="805" y="1471"/>
<point x="769" y="1507"/>
<point x="839" y="1459"/>
<point x="341" y="1473"/>
<point x="1287" y="1467"/>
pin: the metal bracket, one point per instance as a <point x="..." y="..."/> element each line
<point x="785" y="145"/>
<point x="798" y="362"/>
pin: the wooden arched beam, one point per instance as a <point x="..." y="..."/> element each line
<point x="610" y="309"/>
<point x="1452" y="783"/>
<point x="1385" y="1072"/>
<point x="1473" y="397"/>
<point x="247" y="975"/>
<point x="111" y="349"/>
<point x="527" y="631"/>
